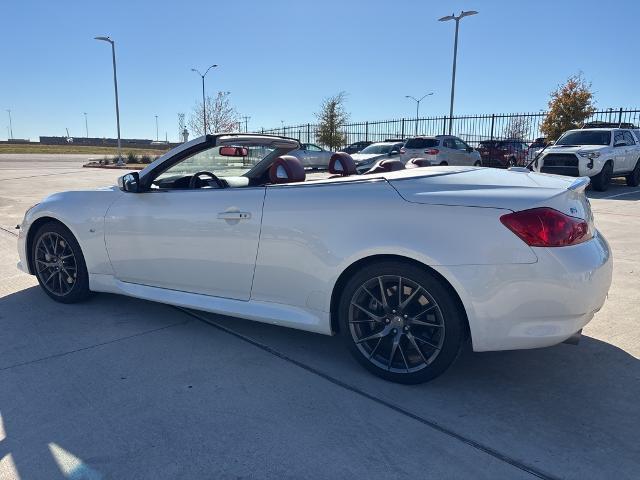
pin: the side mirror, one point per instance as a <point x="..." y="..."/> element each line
<point x="130" y="182"/>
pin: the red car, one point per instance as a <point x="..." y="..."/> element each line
<point x="503" y="153"/>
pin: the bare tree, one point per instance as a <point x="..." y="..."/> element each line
<point x="518" y="128"/>
<point x="331" y="117"/>
<point x="221" y="116"/>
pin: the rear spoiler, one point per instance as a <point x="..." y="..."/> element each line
<point x="579" y="184"/>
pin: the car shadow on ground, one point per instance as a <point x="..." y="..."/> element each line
<point x="570" y="410"/>
<point x="618" y="190"/>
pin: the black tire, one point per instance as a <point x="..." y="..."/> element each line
<point x="602" y="180"/>
<point x="512" y="162"/>
<point x="478" y="163"/>
<point x="59" y="264"/>
<point x="633" y="179"/>
<point x="443" y="164"/>
<point x="396" y="355"/>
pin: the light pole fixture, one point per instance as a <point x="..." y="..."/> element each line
<point x="418" y="106"/>
<point x="10" y="125"/>
<point x="86" y="124"/>
<point x="115" y="85"/>
<point x="204" y="103"/>
<point x="455" y="55"/>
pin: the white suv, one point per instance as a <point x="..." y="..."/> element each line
<point x="440" y="150"/>
<point x="599" y="153"/>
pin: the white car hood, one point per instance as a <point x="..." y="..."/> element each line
<point x="575" y="149"/>
<point x="361" y="157"/>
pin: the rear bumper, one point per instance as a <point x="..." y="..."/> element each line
<point x="535" y="305"/>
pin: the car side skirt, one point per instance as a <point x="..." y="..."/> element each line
<point x="260" y="311"/>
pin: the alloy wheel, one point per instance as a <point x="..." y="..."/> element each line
<point x="56" y="264"/>
<point x="396" y="324"/>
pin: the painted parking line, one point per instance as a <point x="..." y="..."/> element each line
<point x="617" y="195"/>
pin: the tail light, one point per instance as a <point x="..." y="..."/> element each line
<point x="546" y="227"/>
<point x="432" y="151"/>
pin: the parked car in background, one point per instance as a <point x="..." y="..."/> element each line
<point x="599" y="153"/>
<point x="312" y="156"/>
<point x="374" y="152"/>
<point x="535" y="147"/>
<point x="441" y="150"/>
<point x="503" y="153"/>
<point x="356" y="147"/>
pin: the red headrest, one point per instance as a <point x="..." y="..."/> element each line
<point x="386" y="165"/>
<point x="341" y="163"/>
<point x="418" y="162"/>
<point x="286" y="169"/>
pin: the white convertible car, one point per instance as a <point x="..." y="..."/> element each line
<point x="406" y="264"/>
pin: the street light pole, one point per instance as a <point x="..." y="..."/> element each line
<point x="455" y="56"/>
<point x="418" y="106"/>
<point x="86" y="124"/>
<point x="115" y="84"/>
<point x="204" y="103"/>
<point x="156" y="128"/>
<point x="10" y="125"/>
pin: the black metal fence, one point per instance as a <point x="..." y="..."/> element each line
<point x="471" y="128"/>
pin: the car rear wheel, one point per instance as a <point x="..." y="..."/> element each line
<point x="444" y="164"/>
<point x="633" y="179"/>
<point x="59" y="264"/>
<point x="602" y="180"/>
<point x="401" y="322"/>
<point x="478" y="163"/>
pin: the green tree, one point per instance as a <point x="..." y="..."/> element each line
<point x="570" y="105"/>
<point x="331" y="117"/>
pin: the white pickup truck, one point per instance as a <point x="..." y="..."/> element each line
<point x="599" y="153"/>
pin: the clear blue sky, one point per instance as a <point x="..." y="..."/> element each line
<point x="280" y="58"/>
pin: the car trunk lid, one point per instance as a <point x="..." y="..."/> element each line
<point x="514" y="189"/>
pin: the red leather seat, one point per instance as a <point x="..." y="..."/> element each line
<point x="342" y="164"/>
<point x="386" y="165"/>
<point x="286" y="169"/>
<point x="417" y="163"/>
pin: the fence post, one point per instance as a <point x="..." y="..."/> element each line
<point x="366" y="132"/>
<point x="620" y="118"/>
<point x="402" y="132"/>
<point x="493" y="122"/>
<point x="444" y="125"/>
<point x="308" y="133"/>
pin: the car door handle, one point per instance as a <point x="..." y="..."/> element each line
<point x="234" y="215"/>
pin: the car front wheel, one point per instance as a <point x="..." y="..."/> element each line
<point x="59" y="264"/>
<point x="602" y="180"/>
<point x="401" y="322"/>
<point x="633" y="179"/>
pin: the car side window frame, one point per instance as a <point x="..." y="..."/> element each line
<point x="630" y="140"/>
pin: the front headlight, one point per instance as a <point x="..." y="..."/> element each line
<point x="589" y="155"/>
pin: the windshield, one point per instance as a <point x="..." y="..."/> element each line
<point x="210" y="160"/>
<point x="585" y="137"/>
<point x="378" y="148"/>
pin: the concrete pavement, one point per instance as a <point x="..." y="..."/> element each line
<point x="122" y="388"/>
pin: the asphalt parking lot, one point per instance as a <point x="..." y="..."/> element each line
<point x="122" y="388"/>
